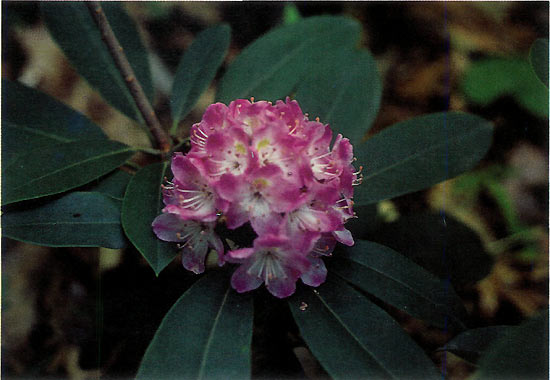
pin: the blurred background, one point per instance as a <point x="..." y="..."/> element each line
<point x="87" y="313"/>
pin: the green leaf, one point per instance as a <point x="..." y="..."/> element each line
<point x="341" y="326"/>
<point x="271" y="66"/>
<point x="425" y="238"/>
<point x="142" y="204"/>
<point x="471" y="344"/>
<point x="78" y="219"/>
<point x="205" y="335"/>
<point x="73" y="28"/>
<point x="343" y="91"/>
<point x="56" y="168"/>
<point x="197" y="69"/>
<point x="113" y="184"/>
<point x="491" y="78"/>
<point x="418" y="153"/>
<point x="396" y="280"/>
<point x="522" y="354"/>
<point x="538" y="56"/>
<point x="32" y="119"/>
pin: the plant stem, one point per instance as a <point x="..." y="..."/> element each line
<point x="117" y="52"/>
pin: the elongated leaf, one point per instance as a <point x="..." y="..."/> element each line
<point x="56" y="168"/>
<point x="344" y="91"/>
<point x="75" y="31"/>
<point x="271" y="66"/>
<point x="522" y="354"/>
<point x="32" y="119"/>
<point x="420" y="152"/>
<point x="142" y="204"/>
<point x="205" y="335"/>
<point x="113" y="184"/>
<point x="79" y="219"/>
<point x="337" y="323"/>
<point x="398" y="281"/>
<point x="197" y="69"/>
<point x="424" y="238"/>
<point x="471" y="344"/>
<point x="538" y="56"/>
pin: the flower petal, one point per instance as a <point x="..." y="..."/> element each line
<point x="344" y="236"/>
<point x="316" y="274"/>
<point x="242" y="282"/>
<point x="282" y="287"/>
<point x="192" y="257"/>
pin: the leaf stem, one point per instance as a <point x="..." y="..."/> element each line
<point x="117" y="52"/>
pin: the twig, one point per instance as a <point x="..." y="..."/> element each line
<point x="117" y="52"/>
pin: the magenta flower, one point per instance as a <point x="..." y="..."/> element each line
<point x="270" y="166"/>
<point x="192" y="237"/>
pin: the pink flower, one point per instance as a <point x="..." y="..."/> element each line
<point x="193" y="237"/>
<point x="272" y="261"/>
<point x="270" y="166"/>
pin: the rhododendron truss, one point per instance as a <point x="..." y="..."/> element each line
<point x="268" y="165"/>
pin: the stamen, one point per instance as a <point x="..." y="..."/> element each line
<point x="293" y="130"/>
<point x="203" y="133"/>
<point x="321" y="156"/>
<point x="188" y="191"/>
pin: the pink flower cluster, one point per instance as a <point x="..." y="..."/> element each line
<point x="267" y="165"/>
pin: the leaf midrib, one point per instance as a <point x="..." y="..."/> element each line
<point x="314" y="37"/>
<point x="418" y="153"/>
<point x="195" y="72"/>
<point x="269" y="73"/>
<point x="38" y="132"/>
<point x="444" y="306"/>
<point x="340" y="94"/>
<point x="351" y="333"/>
<point x="211" y="335"/>
<point x="111" y="153"/>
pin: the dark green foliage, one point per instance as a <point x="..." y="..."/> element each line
<point x="440" y="244"/>
<point x="73" y="28"/>
<point x="197" y="69"/>
<point x="113" y="184"/>
<point x="32" y="119"/>
<point x="418" y="153"/>
<point x="79" y="219"/>
<point x="271" y="67"/>
<point x="396" y="280"/>
<point x="471" y="344"/>
<point x="343" y="90"/>
<point x="142" y="203"/>
<point x="205" y="335"/>
<point x="60" y="167"/>
<point x="353" y="338"/>
<point x="521" y="354"/>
